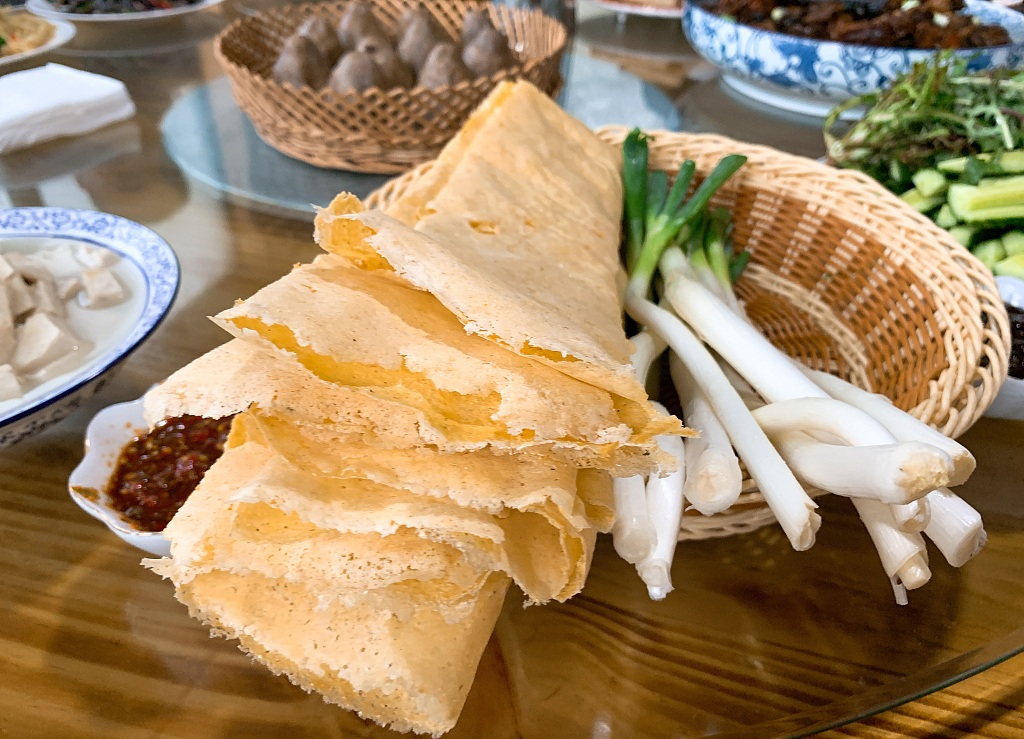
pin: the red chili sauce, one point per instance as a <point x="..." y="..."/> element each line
<point x="158" y="470"/>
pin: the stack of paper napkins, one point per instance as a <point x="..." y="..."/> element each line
<point x="52" y="101"/>
<point x="424" y="416"/>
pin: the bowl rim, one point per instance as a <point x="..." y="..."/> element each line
<point x="159" y="308"/>
<point x="694" y="7"/>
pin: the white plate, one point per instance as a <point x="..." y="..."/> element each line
<point x="46" y="10"/>
<point x="62" y="33"/>
<point x="1009" y="403"/>
<point x="148" y="264"/>
<point x="644" y="10"/>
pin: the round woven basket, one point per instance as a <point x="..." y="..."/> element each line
<point x="845" y="278"/>
<point x="385" y="131"/>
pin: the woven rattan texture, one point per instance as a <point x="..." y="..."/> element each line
<point x="385" y="131"/>
<point x="844" y="277"/>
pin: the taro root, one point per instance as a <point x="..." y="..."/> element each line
<point x="421" y="35"/>
<point x="443" y="67"/>
<point x="419" y="12"/>
<point x="474" y="22"/>
<point x="393" y="71"/>
<point x="300" y="63"/>
<point x="355" y="72"/>
<point x="319" y="30"/>
<point x="356" y="22"/>
<point x="487" y="53"/>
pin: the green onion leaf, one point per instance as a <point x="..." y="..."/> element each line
<point x="634" y="183"/>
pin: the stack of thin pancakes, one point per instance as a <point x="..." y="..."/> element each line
<point x="429" y="411"/>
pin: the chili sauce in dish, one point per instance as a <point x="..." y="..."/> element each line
<point x="158" y="470"/>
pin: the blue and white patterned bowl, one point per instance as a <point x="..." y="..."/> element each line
<point x="153" y="263"/>
<point x="811" y="77"/>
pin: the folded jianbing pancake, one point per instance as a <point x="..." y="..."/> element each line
<point x="411" y="675"/>
<point x="398" y="570"/>
<point x="401" y="345"/>
<point x="484" y="480"/>
<point x="523" y="209"/>
<point x="238" y="376"/>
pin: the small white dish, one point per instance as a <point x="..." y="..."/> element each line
<point x="1009" y="403"/>
<point x="149" y="268"/>
<point x="105" y="437"/>
<point x="46" y="10"/>
<point x="62" y="33"/>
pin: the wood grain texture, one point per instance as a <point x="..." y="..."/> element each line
<point x="92" y="645"/>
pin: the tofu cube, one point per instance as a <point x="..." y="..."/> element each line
<point x="6" y="325"/>
<point x="94" y="257"/>
<point x="68" y="287"/>
<point x="44" y="291"/>
<point x="19" y="297"/>
<point x="10" y="385"/>
<point x="16" y="260"/>
<point x="101" y="289"/>
<point x="41" y="341"/>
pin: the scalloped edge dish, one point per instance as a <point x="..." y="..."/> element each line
<point x="46" y="10"/>
<point x="105" y="437"/>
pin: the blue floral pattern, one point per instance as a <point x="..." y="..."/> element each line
<point x="825" y="71"/>
<point x="137" y="244"/>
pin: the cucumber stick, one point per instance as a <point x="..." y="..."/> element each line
<point x="1010" y="162"/>
<point x="1013" y="242"/>
<point x="1010" y="266"/>
<point x="992" y="199"/>
<point x="945" y="218"/>
<point x="989" y="252"/>
<point x="963" y="234"/>
<point x="929" y="182"/>
<point x="919" y="202"/>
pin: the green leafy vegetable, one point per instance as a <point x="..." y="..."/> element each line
<point x="938" y="110"/>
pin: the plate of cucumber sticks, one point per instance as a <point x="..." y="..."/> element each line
<point x="950" y="143"/>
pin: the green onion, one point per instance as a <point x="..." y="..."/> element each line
<point x="634" y="181"/>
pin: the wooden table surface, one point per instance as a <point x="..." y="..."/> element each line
<point x="92" y="645"/>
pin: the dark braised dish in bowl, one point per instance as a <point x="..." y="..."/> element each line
<point x="905" y="24"/>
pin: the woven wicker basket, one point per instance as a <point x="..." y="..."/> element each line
<point x="387" y="131"/>
<point x="848" y="279"/>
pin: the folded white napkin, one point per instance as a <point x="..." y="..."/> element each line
<point x="51" y="101"/>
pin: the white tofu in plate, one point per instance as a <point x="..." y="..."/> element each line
<point x="101" y="288"/>
<point x="10" y="385"/>
<point x="42" y="340"/>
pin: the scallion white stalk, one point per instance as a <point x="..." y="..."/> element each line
<point x="647" y="347"/>
<point x="912" y="516"/>
<point x="740" y="344"/>
<point x="788" y="501"/>
<point x="665" y="507"/>
<point x="892" y="473"/>
<point x="954" y="526"/>
<point x="856" y="428"/>
<point x="750" y="397"/>
<point x="901" y="424"/>
<point x="713" y="478"/>
<point x="902" y="554"/>
<point x="633" y="532"/>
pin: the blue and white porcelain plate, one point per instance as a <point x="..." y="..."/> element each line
<point x="808" y="76"/>
<point x="147" y="266"/>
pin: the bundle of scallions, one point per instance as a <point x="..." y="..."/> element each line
<point x="791" y="427"/>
